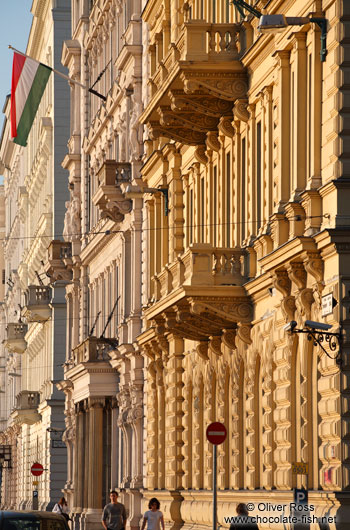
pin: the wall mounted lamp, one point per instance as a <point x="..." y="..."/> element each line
<point x="319" y="333"/>
<point x="135" y="192"/>
<point x="278" y="23"/>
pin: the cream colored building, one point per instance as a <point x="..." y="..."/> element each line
<point x="100" y="261"/>
<point x="249" y="135"/>
<point x="34" y="310"/>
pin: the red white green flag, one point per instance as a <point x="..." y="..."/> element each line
<point x="29" y="79"/>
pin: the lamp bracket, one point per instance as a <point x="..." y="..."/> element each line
<point x="332" y="339"/>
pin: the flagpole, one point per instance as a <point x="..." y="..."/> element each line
<point x="53" y="69"/>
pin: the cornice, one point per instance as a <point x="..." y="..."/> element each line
<point x="70" y="49"/>
<point x="286" y="252"/>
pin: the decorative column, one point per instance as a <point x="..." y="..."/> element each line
<point x="79" y="460"/>
<point x="174" y="410"/>
<point x="95" y="471"/>
<point x="152" y="430"/>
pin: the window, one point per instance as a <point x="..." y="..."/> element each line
<point x="3" y="276"/>
<point x="258" y="175"/>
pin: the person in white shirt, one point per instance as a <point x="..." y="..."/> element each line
<point x="61" y="507"/>
<point x="153" y="517"/>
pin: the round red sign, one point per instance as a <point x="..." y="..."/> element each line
<point x="37" y="469"/>
<point x="216" y="433"/>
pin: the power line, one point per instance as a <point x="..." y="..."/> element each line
<point x="147" y="229"/>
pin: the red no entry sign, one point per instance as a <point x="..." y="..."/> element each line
<point x="37" y="469"/>
<point x="216" y="433"/>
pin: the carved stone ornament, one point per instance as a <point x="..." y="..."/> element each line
<point x="200" y="102"/>
<point x="243" y="333"/>
<point x="202" y="350"/>
<point x="297" y="274"/>
<point x="304" y="302"/>
<point x="213" y="141"/>
<point x="225" y="126"/>
<point x="192" y="120"/>
<point x="288" y="308"/>
<point x="220" y="84"/>
<point x="314" y="265"/>
<point x="282" y="282"/>
<point x="229" y="338"/>
<point x="215" y="345"/>
<point x="200" y="154"/>
<point x="240" y="110"/>
<point x="183" y="135"/>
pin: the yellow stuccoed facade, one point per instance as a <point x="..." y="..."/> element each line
<point x="248" y="133"/>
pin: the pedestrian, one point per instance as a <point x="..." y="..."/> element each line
<point x="153" y="517"/>
<point x="61" y="507"/>
<point x="114" y="514"/>
<point x="243" y="520"/>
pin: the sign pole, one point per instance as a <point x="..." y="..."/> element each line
<point x="216" y="435"/>
<point x="215" y="495"/>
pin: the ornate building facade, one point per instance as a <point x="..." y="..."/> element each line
<point x="100" y="262"/>
<point x="248" y="135"/>
<point x="33" y="316"/>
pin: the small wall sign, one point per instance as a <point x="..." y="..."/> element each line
<point x="327" y="304"/>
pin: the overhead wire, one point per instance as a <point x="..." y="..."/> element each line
<point x="108" y="232"/>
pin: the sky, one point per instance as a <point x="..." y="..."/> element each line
<point x="15" y="22"/>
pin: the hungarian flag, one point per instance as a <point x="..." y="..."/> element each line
<point x="29" y="79"/>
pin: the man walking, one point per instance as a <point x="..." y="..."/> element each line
<point x="114" y="514"/>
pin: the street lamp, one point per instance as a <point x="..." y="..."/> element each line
<point x="319" y="333"/>
<point x="278" y="23"/>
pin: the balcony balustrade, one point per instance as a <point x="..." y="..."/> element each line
<point x="201" y="293"/>
<point x="91" y="349"/>
<point x="109" y="196"/>
<point x="197" y="82"/>
<point x="26" y="410"/>
<point x="15" y="341"/>
<point x="59" y="261"/>
<point x="37" y="307"/>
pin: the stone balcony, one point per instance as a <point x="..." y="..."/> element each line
<point x="201" y="294"/>
<point x="26" y="410"/>
<point x="91" y="349"/>
<point x="59" y="260"/>
<point x="37" y="307"/>
<point x="15" y="341"/>
<point x="197" y="83"/>
<point x="109" y="196"/>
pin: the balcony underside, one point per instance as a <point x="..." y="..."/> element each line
<point x="196" y="84"/>
<point x="200" y="313"/>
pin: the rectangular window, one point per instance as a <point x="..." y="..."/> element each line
<point x="228" y="199"/>
<point x="3" y="276"/>
<point x="243" y="186"/>
<point x="258" y="175"/>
